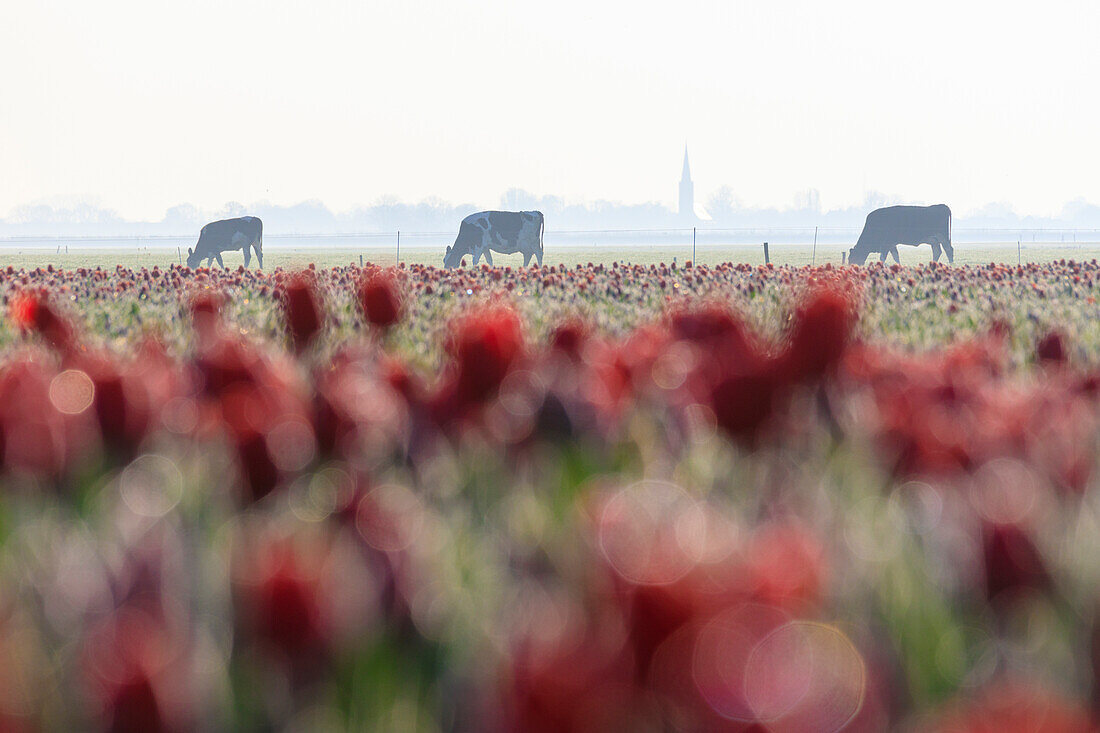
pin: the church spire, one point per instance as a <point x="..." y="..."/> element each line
<point x="687" y="191"/>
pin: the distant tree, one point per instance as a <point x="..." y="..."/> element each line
<point x="182" y="218"/>
<point x="808" y="201"/>
<point x="723" y="206"/>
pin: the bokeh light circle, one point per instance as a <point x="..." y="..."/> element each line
<point x="805" y="676"/>
<point x="390" y="517"/>
<point x="72" y="392"/>
<point x="722" y="651"/>
<point x="151" y="485"/>
<point x="650" y="532"/>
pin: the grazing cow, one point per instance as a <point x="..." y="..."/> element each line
<point x="506" y="232"/>
<point x="886" y="228"/>
<point x="225" y="235"/>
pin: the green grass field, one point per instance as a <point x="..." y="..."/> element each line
<point x="290" y="257"/>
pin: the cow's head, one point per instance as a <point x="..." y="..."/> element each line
<point x="462" y="247"/>
<point x="856" y="258"/>
<point x="193" y="259"/>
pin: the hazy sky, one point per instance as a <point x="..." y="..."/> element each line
<point x="139" y="105"/>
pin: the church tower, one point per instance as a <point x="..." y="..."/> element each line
<point x="687" y="191"/>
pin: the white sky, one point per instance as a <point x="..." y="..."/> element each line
<point x="139" y="105"/>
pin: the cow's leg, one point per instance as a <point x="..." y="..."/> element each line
<point x="950" y="252"/>
<point x="220" y="260"/>
<point x="489" y="257"/>
<point x="538" y="256"/>
<point x="936" y="251"/>
<point x="883" y="254"/>
<point x="247" y="250"/>
<point x="259" y="254"/>
<point x="526" y="259"/>
<point x="894" y="254"/>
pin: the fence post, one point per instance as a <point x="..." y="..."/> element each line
<point x="179" y="254"/>
<point x="693" y="246"/>
<point x="1019" y="258"/>
<point x="813" y="257"/>
<point x="360" y="260"/>
<point x="844" y="258"/>
<point x="767" y="257"/>
<point x="399" y="246"/>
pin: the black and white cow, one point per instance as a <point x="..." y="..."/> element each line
<point x="886" y="228"/>
<point x="506" y="232"/>
<point x="225" y="235"/>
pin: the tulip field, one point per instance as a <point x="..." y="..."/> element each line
<point x="598" y="497"/>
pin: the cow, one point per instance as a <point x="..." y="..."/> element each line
<point x="886" y="228"/>
<point x="225" y="235"/>
<point x="506" y="232"/>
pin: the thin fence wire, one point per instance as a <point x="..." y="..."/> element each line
<point x="996" y="234"/>
<point x="705" y="245"/>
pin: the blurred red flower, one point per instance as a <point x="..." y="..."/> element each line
<point x="787" y="565"/>
<point x="136" y="671"/>
<point x="380" y="298"/>
<point x="258" y="469"/>
<point x="304" y="310"/>
<point x="1012" y="561"/>
<point x="576" y="682"/>
<point x="205" y="307"/>
<point x="1051" y="348"/>
<point x="570" y="337"/>
<point x="32" y="312"/>
<point x="483" y="346"/>
<point x="821" y="332"/>
<point x="280" y="599"/>
<point x="1018" y="706"/>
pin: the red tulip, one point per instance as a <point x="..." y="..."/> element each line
<point x="1051" y="349"/>
<point x="569" y="338"/>
<point x="137" y="674"/>
<point x="258" y="469"/>
<point x="380" y="299"/>
<point x="484" y="345"/>
<point x="1012" y="561"/>
<point x="33" y="312"/>
<point x="575" y="682"/>
<point x="715" y="328"/>
<point x="304" y="311"/>
<point x="121" y="405"/>
<point x="281" y="602"/>
<point x="1018" y="706"/>
<point x="821" y="332"/>
<point x="787" y="565"/>
<point x="36" y="437"/>
<point x="206" y="309"/>
<point x="743" y="402"/>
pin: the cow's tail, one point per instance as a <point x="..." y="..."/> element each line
<point x="260" y="246"/>
<point x="948" y="246"/>
<point x="542" y="231"/>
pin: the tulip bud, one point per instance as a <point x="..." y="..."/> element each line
<point x="304" y="311"/>
<point x="380" y="299"/>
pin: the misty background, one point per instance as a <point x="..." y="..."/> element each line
<point x="125" y="118"/>
<point x="723" y="213"/>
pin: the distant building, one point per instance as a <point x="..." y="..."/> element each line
<point x="687" y="192"/>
